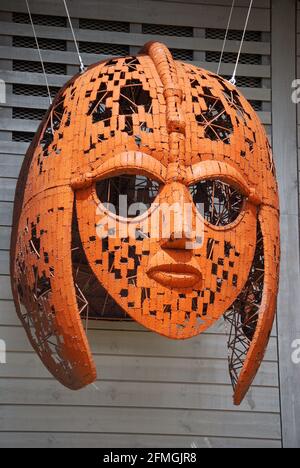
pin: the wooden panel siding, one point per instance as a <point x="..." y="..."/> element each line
<point x="151" y="391"/>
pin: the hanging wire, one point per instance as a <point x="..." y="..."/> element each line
<point x="82" y="67"/>
<point x="39" y="51"/>
<point x="226" y="35"/>
<point x="233" y="79"/>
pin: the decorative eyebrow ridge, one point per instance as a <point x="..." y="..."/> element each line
<point x="215" y="170"/>
<point x="126" y="162"/>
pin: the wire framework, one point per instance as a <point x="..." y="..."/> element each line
<point x="243" y="316"/>
<point x="93" y="301"/>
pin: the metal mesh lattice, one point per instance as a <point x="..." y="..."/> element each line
<point x="243" y="316"/>
<point x="93" y="301"/>
<point x="28" y="114"/>
<point x="47" y="44"/>
<point x="183" y="54"/>
<point x="35" y="67"/>
<point x="40" y="20"/>
<point x="167" y="30"/>
<point x="229" y="57"/>
<point x="33" y="90"/>
<point x="257" y="105"/>
<point x="233" y="35"/>
<point x="23" y="137"/>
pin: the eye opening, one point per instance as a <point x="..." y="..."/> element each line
<point x="140" y="191"/>
<point x="219" y="203"/>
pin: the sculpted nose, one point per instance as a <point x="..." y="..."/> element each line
<point x="177" y="218"/>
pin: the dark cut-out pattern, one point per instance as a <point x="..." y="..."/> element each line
<point x="98" y="109"/>
<point x="131" y="62"/>
<point x="242" y="118"/>
<point x="133" y="99"/>
<point x="93" y="301"/>
<point x="52" y="125"/>
<point x="132" y="96"/>
<point x="35" y="241"/>
<point x="243" y="316"/>
<point x="233" y="100"/>
<point x="136" y="188"/>
<point x="219" y="203"/>
<point x="215" y="120"/>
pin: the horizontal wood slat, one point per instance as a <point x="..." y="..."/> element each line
<point x="5" y="233"/>
<point x="7" y="189"/>
<point x="140" y="420"/>
<point x="10" y="165"/>
<point x="9" y="317"/>
<point x="142" y="369"/>
<point x="136" y="343"/>
<point x="98" y="439"/>
<point x="5" y="286"/>
<point x="4" y="264"/>
<point x="6" y="210"/>
<point x="138" y="395"/>
<point x="18" y="77"/>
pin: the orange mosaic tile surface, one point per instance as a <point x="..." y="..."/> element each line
<point x="163" y="132"/>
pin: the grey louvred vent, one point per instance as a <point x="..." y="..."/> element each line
<point x="36" y="67"/>
<point x="33" y="90"/>
<point x="257" y="105"/>
<point x="183" y="54"/>
<point x="46" y="44"/>
<point x="41" y="20"/>
<point x="167" y="30"/>
<point x="28" y="114"/>
<point x="229" y="57"/>
<point x="22" y="137"/>
<point x="233" y="35"/>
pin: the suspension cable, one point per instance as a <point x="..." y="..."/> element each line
<point x="233" y="79"/>
<point x="39" y="52"/>
<point x="226" y="35"/>
<point x="82" y="67"/>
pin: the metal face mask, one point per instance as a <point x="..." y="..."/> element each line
<point x="196" y="238"/>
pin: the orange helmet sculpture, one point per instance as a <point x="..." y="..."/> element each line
<point x="162" y="133"/>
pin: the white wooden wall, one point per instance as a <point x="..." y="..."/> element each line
<point x="152" y="391"/>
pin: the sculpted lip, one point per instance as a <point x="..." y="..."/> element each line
<point x="176" y="276"/>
